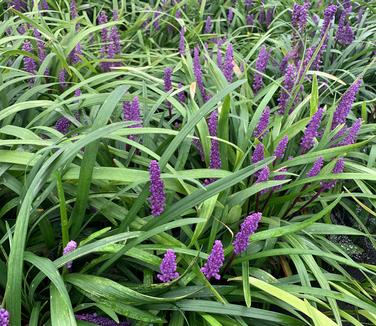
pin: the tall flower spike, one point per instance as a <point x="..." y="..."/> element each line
<point x="73" y="9"/>
<point x="281" y="147"/>
<point x="157" y="194"/>
<point x="344" y="106"/>
<point x="131" y="112"/>
<point x="261" y="17"/>
<point x="247" y="228"/>
<point x="168" y="85"/>
<point x="352" y="133"/>
<point x="198" y="74"/>
<point x="299" y="16"/>
<point x="258" y="153"/>
<point x="99" y="320"/>
<point x="168" y="267"/>
<point x="311" y="131"/>
<point x="261" y="63"/>
<point x="262" y="177"/>
<point x="208" y="25"/>
<point x="263" y="124"/>
<point x="329" y="13"/>
<point x="345" y="34"/>
<point x="215" y="158"/>
<point x="230" y="15"/>
<point x="71" y="246"/>
<point x="214" y="262"/>
<point x="62" y="81"/>
<point x="4" y="317"/>
<point x="29" y="64"/>
<point x="278" y="178"/>
<point x="182" y="42"/>
<point x="228" y="66"/>
<point x="316" y="168"/>
<point x="250" y="19"/>
<point x="288" y="84"/>
<point x="338" y="168"/>
<point x="181" y="94"/>
<point x="269" y="17"/>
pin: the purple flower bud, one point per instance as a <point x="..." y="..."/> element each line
<point x="345" y="34"/>
<point x="344" y="106"/>
<point x="258" y="153"/>
<point x="250" y="19"/>
<point x="230" y="15"/>
<point x="102" y="19"/>
<point x="288" y="84"/>
<point x="62" y="125"/>
<point x="262" y="126"/>
<point x="215" y="158"/>
<point x="168" y="267"/>
<point x="248" y="227"/>
<point x="299" y="16"/>
<point x="156" y="21"/>
<point x="261" y="63"/>
<point x="263" y="176"/>
<point x="182" y="42"/>
<point x="41" y="46"/>
<point x="77" y="92"/>
<point x="311" y="131"/>
<point x="329" y="13"/>
<point x="338" y="168"/>
<point x="76" y="53"/>
<point x="167" y="79"/>
<point x="214" y="262"/>
<point x="228" y="66"/>
<point x="157" y="198"/>
<point x="352" y="133"/>
<point x="71" y="246"/>
<point x="219" y="57"/>
<point x="19" y="5"/>
<point x="278" y="178"/>
<point x="29" y="64"/>
<point x="73" y="9"/>
<point x="316" y="168"/>
<point x="269" y="17"/>
<point x="4" y="317"/>
<point x="62" y="75"/>
<point x="115" y="39"/>
<point x="261" y="17"/>
<point x="248" y="4"/>
<point x="99" y="320"/>
<point x="181" y="94"/>
<point x="115" y="15"/>
<point x="281" y="147"/>
<point x="208" y="25"/>
<point x="198" y="74"/>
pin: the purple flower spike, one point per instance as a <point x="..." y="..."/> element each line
<point x="157" y="198"/>
<point x="215" y="158"/>
<point x="75" y="55"/>
<point x="181" y="94"/>
<point x="269" y="17"/>
<point x="261" y="17"/>
<point x="168" y="267"/>
<point x="99" y="320"/>
<point x="345" y="34"/>
<point x="73" y="9"/>
<point x="228" y="66"/>
<point x="338" y="168"/>
<point x="208" y="25"/>
<point x="278" y="178"/>
<point x="291" y="55"/>
<point x="250" y="19"/>
<point x="344" y="106"/>
<point x="62" y="81"/>
<point x="182" y="42"/>
<point x="4" y="317"/>
<point x="71" y="246"/>
<point x="167" y="79"/>
<point x="29" y="64"/>
<point x="261" y="63"/>
<point x="288" y="84"/>
<point x="115" y="39"/>
<point x="77" y="92"/>
<point x="311" y="131"/>
<point x="19" y="5"/>
<point x="258" y="153"/>
<point x="248" y="227"/>
<point x="262" y="177"/>
<point x="156" y="21"/>
<point x="299" y="16"/>
<point x="352" y="133"/>
<point x="62" y="125"/>
<point x="230" y="15"/>
<point x="262" y="126"/>
<point x="329" y="13"/>
<point x="131" y="112"/>
<point x="248" y="4"/>
<point x="198" y="74"/>
<point x="281" y="147"/>
<point x="316" y="168"/>
<point x="214" y="262"/>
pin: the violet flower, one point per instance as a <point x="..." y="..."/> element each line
<point x="278" y="178"/>
<point x="299" y="16"/>
<point x="352" y="133"/>
<point x="247" y="228"/>
<point x="344" y="106"/>
<point x="168" y="267"/>
<point x="168" y="85"/>
<point x="281" y="147"/>
<point x="316" y="168"/>
<point x="248" y="4"/>
<point x="230" y="15"/>
<point x="288" y="85"/>
<point x="261" y="63"/>
<point x="157" y="193"/>
<point x="4" y="317"/>
<point x="261" y="17"/>
<point x="214" y="262"/>
<point x="99" y="320"/>
<point x="181" y="94"/>
<point x="71" y="246"/>
<point x="19" y="5"/>
<point x="29" y="64"/>
<point x="131" y="112"/>
<point x="329" y="13"/>
<point x="250" y="19"/>
<point x="198" y="74"/>
<point x="338" y="168"/>
<point x="263" y="176"/>
<point x="291" y="55"/>
<point x="311" y="131"/>
<point x="228" y="65"/>
<point x="62" y="81"/>
<point x="73" y="9"/>
<point x="345" y="34"/>
<point x="269" y="17"/>
<point x="258" y="153"/>
<point x="215" y="158"/>
<point x="208" y="25"/>
<point x="41" y="48"/>
<point x="62" y="125"/>
<point x="196" y="143"/>
<point x="261" y="129"/>
<point x="182" y="42"/>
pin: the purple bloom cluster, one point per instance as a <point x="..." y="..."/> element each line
<point x="214" y="262"/>
<point x="258" y="153"/>
<point x="168" y="267"/>
<point x="263" y="176"/>
<point x="99" y="320"/>
<point x="299" y="16"/>
<point x="73" y="9"/>
<point x="248" y="4"/>
<point x="208" y="25"/>
<point x="311" y="131"/>
<point x="279" y="177"/>
<point x="269" y="17"/>
<point x="262" y="126"/>
<point x="352" y="133"/>
<point x="181" y="94"/>
<point x="288" y="84"/>
<point x="261" y="17"/>
<point x="316" y="168"/>
<point x="329" y="13"/>
<point x="62" y="77"/>
<point x="291" y="55"/>
<point x="344" y="106"/>
<point x="228" y="65"/>
<point x="19" y="5"/>
<point x="247" y="228"/>
<point x="157" y="193"/>
<point x="182" y="42"/>
<point x="62" y="125"/>
<point x="29" y="63"/>
<point x="281" y="147"/>
<point x="345" y="34"/>
<point x="230" y="15"/>
<point x="196" y="143"/>
<point x="131" y="112"/>
<point x="168" y="85"/>
<point x="198" y="74"/>
<point x="261" y="63"/>
<point x="71" y="246"/>
<point x="338" y="168"/>
<point x="4" y="317"/>
<point x="250" y="19"/>
<point x="215" y="159"/>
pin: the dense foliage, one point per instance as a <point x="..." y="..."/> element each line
<point x="187" y="162"/>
